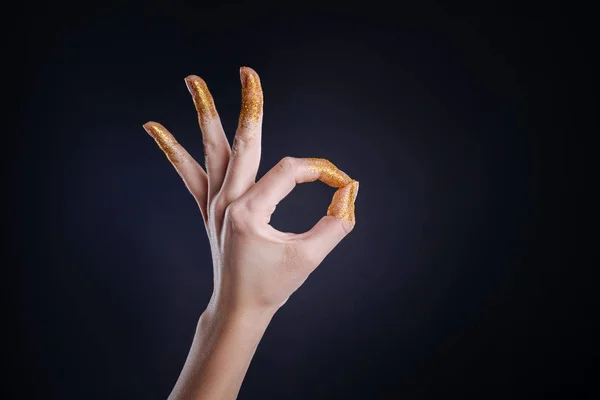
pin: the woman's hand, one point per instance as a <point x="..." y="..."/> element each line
<point x="256" y="267"/>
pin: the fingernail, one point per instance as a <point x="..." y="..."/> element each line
<point x="329" y="173"/>
<point x="165" y="141"/>
<point x="203" y="100"/>
<point x="342" y="205"/>
<point x="252" y="97"/>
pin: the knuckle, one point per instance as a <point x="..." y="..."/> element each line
<point x="219" y="202"/>
<point x="237" y="214"/>
<point x="209" y="145"/>
<point x="241" y="142"/>
<point x="253" y="205"/>
<point x="286" y="164"/>
<point x="346" y="226"/>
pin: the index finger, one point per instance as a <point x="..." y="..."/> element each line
<point x="283" y="177"/>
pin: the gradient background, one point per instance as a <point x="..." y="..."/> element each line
<point x="451" y="281"/>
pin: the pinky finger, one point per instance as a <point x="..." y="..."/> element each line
<point x="190" y="171"/>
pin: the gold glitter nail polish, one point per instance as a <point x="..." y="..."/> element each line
<point x="205" y="105"/>
<point x="165" y="141"/>
<point x="342" y="205"/>
<point x="329" y="173"/>
<point x="252" y="97"/>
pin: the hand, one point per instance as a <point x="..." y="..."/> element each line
<point x="256" y="267"/>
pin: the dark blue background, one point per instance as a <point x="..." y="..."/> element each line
<point x="450" y="282"/>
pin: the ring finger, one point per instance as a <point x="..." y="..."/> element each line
<point x="216" y="146"/>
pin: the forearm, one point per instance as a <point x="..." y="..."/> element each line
<point x="222" y="349"/>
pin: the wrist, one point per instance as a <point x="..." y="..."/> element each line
<point x="248" y="319"/>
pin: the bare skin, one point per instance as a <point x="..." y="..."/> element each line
<point x="256" y="267"/>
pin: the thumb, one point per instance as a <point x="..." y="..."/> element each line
<point x="331" y="229"/>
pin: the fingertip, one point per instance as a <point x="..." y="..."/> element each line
<point x="203" y="101"/>
<point x="342" y="204"/>
<point x="356" y="185"/>
<point x="191" y="79"/>
<point x="247" y="71"/>
<point x="150" y="127"/>
<point x="252" y="97"/>
<point x="167" y="143"/>
<point x="188" y="82"/>
<point x="248" y="75"/>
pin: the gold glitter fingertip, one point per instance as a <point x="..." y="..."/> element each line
<point x="205" y="105"/>
<point x="342" y="205"/>
<point x="165" y="141"/>
<point x="252" y="97"/>
<point x="329" y="173"/>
